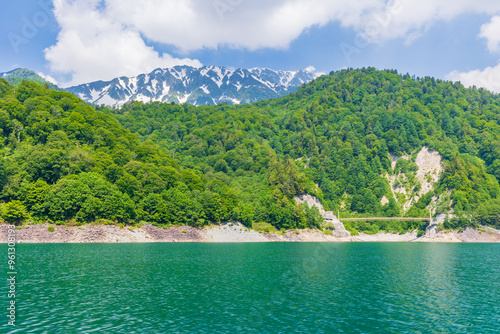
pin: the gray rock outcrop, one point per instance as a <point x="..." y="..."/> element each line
<point x="328" y="216"/>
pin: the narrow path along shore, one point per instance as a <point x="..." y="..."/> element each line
<point x="229" y="232"/>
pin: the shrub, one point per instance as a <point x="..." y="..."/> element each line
<point x="348" y="226"/>
<point x="50" y="228"/>
<point x="263" y="227"/>
<point x="15" y="212"/>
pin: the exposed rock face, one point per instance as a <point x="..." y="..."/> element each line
<point x="484" y="234"/>
<point x="430" y="167"/>
<point x="328" y="216"/>
<point x="311" y="201"/>
<point x="432" y="230"/>
<point x="228" y="232"/>
<point x="102" y="234"/>
<point x="233" y="232"/>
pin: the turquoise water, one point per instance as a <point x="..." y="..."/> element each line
<point x="257" y="288"/>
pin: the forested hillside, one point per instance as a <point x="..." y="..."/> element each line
<point x="339" y="131"/>
<point x="16" y="76"/>
<point x="64" y="161"/>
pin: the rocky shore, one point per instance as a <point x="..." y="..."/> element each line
<point x="229" y="232"/>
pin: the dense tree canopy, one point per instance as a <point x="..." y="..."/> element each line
<point x="179" y="164"/>
<point x="337" y="132"/>
<point x="64" y="161"/>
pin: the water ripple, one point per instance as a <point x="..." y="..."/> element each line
<point x="258" y="288"/>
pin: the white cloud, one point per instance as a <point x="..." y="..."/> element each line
<point x="409" y="19"/>
<point x="48" y="78"/>
<point x="90" y="46"/>
<point x="488" y="78"/>
<point x="491" y="32"/>
<point x="310" y="68"/>
<point x="103" y="39"/>
<point x="195" y="24"/>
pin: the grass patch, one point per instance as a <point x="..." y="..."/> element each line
<point x="350" y="228"/>
<point x="264" y="228"/>
<point x="388" y="226"/>
<point x="328" y="232"/>
<point x="50" y="228"/>
<point x="102" y="221"/>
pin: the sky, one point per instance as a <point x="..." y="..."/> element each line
<point x="77" y="41"/>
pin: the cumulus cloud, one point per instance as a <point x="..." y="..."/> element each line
<point x="195" y="24"/>
<point x="491" y="32"/>
<point x="310" y="68"/>
<point x="90" y="46"/>
<point x="489" y="77"/>
<point x="106" y="38"/>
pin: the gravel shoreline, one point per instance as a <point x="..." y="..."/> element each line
<point x="229" y="232"/>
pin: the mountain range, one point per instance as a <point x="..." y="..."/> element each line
<point x="207" y="85"/>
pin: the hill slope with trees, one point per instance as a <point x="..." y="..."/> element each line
<point x="63" y="161"/>
<point x="178" y="164"/>
<point x="338" y="131"/>
<point x="15" y="77"/>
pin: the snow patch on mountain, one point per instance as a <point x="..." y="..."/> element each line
<point x="206" y="85"/>
<point x="184" y="99"/>
<point x="205" y="89"/>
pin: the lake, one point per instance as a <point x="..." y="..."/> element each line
<point x="256" y="288"/>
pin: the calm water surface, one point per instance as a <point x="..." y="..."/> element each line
<point x="256" y="288"/>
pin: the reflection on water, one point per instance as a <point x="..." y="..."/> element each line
<point x="264" y="287"/>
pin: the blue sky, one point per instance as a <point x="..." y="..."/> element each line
<point x="86" y="40"/>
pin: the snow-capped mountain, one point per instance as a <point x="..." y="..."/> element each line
<point x="208" y="85"/>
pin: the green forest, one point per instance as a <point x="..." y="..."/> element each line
<point x="65" y="161"/>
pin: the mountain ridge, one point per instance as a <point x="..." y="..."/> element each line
<point x="16" y="76"/>
<point x="207" y="85"/>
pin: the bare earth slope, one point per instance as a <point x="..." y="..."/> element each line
<point x="231" y="232"/>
